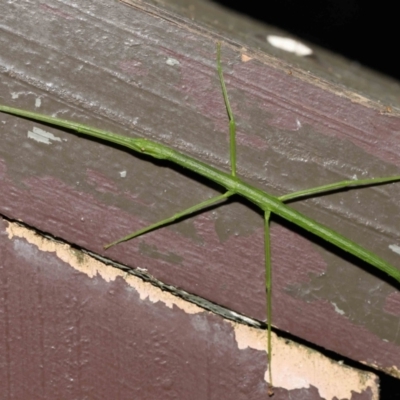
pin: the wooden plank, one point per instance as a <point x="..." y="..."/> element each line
<point x="302" y="122"/>
<point x="74" y="327"/>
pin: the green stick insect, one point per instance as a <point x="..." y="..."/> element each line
<point x="234" y="186"/>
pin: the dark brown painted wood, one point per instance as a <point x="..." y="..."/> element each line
<point x="68" y="335"/>
<point x="302" y="122"/>
<point x="74" y="328"/>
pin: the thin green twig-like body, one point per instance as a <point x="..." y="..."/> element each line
<point x="268" y="288"/>
<point x="234" y="186"/>
<point x="263" y="200"/>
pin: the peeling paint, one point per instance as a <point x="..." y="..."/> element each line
<point x="395" y="248"/>
<point x="253" y="338"/>
<point x="245" y="58"/>
<point x="38" y="102"/>
<point x="42" y="136"/>
<point x="122" y="174"/>
<point x="295" y="366"/>
<point x="92" y="267"/>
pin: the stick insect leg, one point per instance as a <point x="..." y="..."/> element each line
<point x="349" y="184"/>
<point x="267" y="214"/>
<point x="169" y="220"/>
<point x="232" y="123"/>
<point x="232" y="152"/>
<point x="268" y="286"/>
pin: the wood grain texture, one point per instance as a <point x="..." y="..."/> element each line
<point x="150" y="72"/>
<point x="74" y="327"/>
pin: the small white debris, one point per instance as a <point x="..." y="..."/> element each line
<point x="290" y="45"/>
<point x="42" y="136"/>
<point x="242" y="317"/>
<point x="172" y="61"/>
<point x="395" y="248"/>
<point x="122" y="174"/>
<point x="38" y="102"/>
<point x="337" y="309"/>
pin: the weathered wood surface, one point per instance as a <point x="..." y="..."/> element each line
<point x="75" y="328"/>
<point x="302" y="122"/>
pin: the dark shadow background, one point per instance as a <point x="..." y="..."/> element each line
<point x="364" y="32"/>
<point x="361" y="31"/>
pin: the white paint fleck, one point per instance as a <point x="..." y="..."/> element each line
<point x="298" y="124"/>
<point x="395" y="248"/>
<point x="122" y="174"/>
<point x="290" y="45"/>
<point x="42" y="136"/>
<point x="337" y="309"/>
<point x="172" y="61"/>
<point x="38" y="102"/>
<point x="14" y="95"/>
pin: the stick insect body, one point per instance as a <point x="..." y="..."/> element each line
<point x="234" y="186"/>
